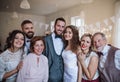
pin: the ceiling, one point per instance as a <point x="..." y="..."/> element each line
<point x="39" y="7"/>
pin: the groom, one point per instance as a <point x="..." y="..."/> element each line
<point x="54" y="47"/>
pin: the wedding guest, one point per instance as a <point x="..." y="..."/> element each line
<point x="88" y="60"/>
<point x="109" y="64"/>
<point x="10" y="59"/>
<point x="35" y="65"/>
<point x="28" y="28"/>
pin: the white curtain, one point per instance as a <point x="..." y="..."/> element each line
<point x="116" y="38"/>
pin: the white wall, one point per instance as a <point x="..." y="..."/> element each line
<point x="94" y="12"/>
<point x="97" y="11"/>
<point x="117" y="25"/>
<point x="7" y="24"/>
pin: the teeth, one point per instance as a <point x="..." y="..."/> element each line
<point x="83" y="46"/>
<point x="19" y="43"/>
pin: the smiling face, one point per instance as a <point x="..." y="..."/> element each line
<point x="38" y="47"/>
<point x="85" y="43"/>
<point x="99" y="42"/>
<point x="18" y="40"/>
<point x="59" y="27"/>
<point x="68" y="34"/>
<point x="28" y="29"/>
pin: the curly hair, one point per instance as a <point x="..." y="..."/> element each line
<point x="33" y="41"/>
<point x="75" y="39"/>
<point x="10" y="39"/>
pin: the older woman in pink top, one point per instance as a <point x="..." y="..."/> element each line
<point x="35" y="65"/>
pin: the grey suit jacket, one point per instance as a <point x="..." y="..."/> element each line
<point x="55" y="61"/>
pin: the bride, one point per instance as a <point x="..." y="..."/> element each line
<point x="71" y="40"/>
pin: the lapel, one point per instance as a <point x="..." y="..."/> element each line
<point x="51" y="45"/>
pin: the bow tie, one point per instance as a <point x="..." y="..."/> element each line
<point x="58" y="36"/>
<point x="100" y="53"/>
<point x="28" y="41"/>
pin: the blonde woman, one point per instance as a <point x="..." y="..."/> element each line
<point x="88" y="60"/>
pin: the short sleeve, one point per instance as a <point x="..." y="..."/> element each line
<point x="117" y="59"/>
<point x="94" y="54"/>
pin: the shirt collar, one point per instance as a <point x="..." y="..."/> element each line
<point x="105" y="49"/>
<point x="37" y="56"/>
<point x="27" y="39"/>
<point x="53" y="34"/>
<point x="13" y="52"/>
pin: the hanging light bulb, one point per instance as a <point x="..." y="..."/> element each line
<point x="86" y="1"/>
<point x="15" y="15"/>
<point x="25" y="4"/>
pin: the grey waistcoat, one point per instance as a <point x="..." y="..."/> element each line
<point x="110" y="73"/>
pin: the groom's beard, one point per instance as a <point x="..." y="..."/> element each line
<point x="29" y="35"/>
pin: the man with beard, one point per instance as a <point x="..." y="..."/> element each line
<point x="54" y="48"/>
<point x="28" y="29"/>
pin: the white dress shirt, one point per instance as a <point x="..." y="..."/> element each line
<point x="105" y="54"/>
<point x="58" y="44"/>
<point x="27" y="45"/>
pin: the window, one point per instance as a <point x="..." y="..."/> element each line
<point x="79" y="22"/>
<point x="52" y="26"/>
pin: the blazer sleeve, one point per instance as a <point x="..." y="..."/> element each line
<point x="117" y="59"/>
<point x="47" y="51"/>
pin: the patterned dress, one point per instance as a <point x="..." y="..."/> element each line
<point x="8" y="62"/>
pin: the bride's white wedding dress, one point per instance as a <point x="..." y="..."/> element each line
<point x="70" y="66"/>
